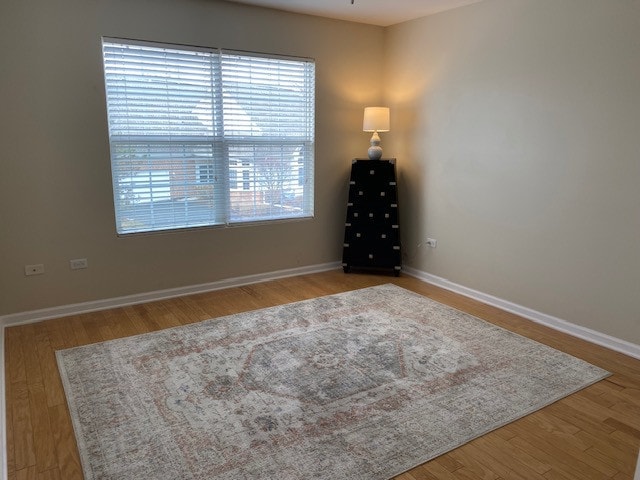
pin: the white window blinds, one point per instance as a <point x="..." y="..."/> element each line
<point x="207" y="137"/>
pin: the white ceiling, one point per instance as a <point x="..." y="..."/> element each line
<point x="374" y="12"/>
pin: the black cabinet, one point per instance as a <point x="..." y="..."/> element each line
<point x="372" y="228"/>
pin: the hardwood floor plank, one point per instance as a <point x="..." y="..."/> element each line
<point x="465" y="474"/>
<point x="584" y="464"/>
<point x="28" y="473"/>
<point x="90" y="327"/>
<point x="624" y="381"/>
<point x="437" y="471"/>
<point x="159" y="314"/>
<point x="65" y="440"/>
<point x="24" y="451"/>
<point x="494" y="442"/>
<point x="624" y="413"/>
<point x="79" y="332"/>
<point x="44" y="444"/>
<point x="504" y="433"/>
<point x="624" y="437"/>
<point x="503" y="453"/>
<point x="604" y="387"/>
<point x="557" y="436"/>
<point x="622" y="426"/>
<point x="30" y="354"/>
<point x="14" y="356"/>
<point x="138" y="316"/>
<point x="601" y="399"/>
<point x="119" y="324"/>
<point x="622" y="465"/>
<point x="103" y="326"/>
<point x="180" y="310"/>
<point x="561" y="464"/>
<point x="497" y="461"/>
<point x="53" y="474"/>
<point x="193" y="312"/>
<point x="630" y="394"/>
<point x="48" y="366"/>
<point x="629" y="410"/>
<point x="10" y="454"/>
<point x="555" y="475"/>
<point x="610" y="384"/>
<point x="56" y="333"/>
<point x="616" y="450"/>
<point x="552" y="424"/>
<point x="405" y="476"/>
<point x="448" y="462"/>
<point x="623" y="476"/>
<point x="580" y="419"/>
<point x="465" y="456"/>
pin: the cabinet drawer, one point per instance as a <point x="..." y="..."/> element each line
<point x="370" y="217"/>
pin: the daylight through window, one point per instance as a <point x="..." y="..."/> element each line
<point x="203" y="137"/>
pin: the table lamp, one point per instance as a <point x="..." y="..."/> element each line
<point x="376" y="119"/>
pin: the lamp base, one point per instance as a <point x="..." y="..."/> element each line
<point x="375" y="152"/>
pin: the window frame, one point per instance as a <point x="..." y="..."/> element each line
<point x="221" y="162"/>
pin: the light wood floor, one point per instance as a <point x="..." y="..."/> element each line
<point x="593" y="434"/>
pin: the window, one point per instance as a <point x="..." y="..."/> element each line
<point x="205" y="173"/>
<point x="203" y="137"/>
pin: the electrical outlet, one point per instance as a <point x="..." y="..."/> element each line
<point x="37" y="269"/>
<point x="432" y="242"/>
<point x="78" y="263"/>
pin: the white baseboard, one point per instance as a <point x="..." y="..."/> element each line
<point x="92" y="306"/>
<point x="584" y="333"/>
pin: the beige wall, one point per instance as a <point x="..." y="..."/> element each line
<point x="517" y="128"/>
<point x="55" y="184"/>
<point x="515" y="124"/>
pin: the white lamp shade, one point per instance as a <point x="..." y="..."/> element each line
<point x="376" y="119"/>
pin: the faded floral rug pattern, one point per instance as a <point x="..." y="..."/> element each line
<point x="360" y="385"/>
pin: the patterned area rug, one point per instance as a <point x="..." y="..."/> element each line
<point x="359" y="385"/>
